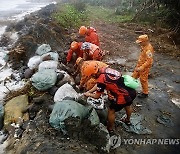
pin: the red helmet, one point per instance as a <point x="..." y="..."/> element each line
<point x="91" y="68"/>
<point x="74" y="45"/>
<point x="142" y="38"/>
<point x="82" y="30"/>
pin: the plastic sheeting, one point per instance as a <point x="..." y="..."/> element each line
<point x="136" y="124"/>
<point x="165" y="120"/>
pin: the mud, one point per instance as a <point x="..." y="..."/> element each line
<point x="164" y="79"/>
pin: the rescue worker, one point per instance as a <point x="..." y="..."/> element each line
<point x="91" y="51"/>
<point x="144" y="64"/>
<point x="86" y="68"/>
<point x="75" y="48"/>
<point x="90" y="35"/>
<point x="119" y="95"/>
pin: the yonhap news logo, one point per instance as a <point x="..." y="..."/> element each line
<point x="116" y="141"/>
<point x="150" y="141"/>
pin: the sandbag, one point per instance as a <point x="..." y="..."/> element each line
<point x="66" y="109"/>
<point x="130" y="82"/>
<point x="50" y="64"/>
<point x="65" y="91"/>
<point x="54" y="55"/>
<point x="1" y="115"/>
<point x="93" y="117"/>
<point x="44" y="48"/>
<point x="44" y="79"/>
<point x="34" y="62"/>
<point x="14" y="109"/>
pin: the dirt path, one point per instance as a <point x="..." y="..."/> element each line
<point x="163" y="85"/>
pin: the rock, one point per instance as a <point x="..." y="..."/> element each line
<point x="28" y="73"/>
<point x="53" y="90"/>
<point x="60" y="76"/>
<point x="40" y="99"/>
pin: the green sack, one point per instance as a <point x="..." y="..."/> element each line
<point x="44" y="79"/>
<point x="14" y="109"/>
<point x="93" y="117"/>
<point x="130" y="82"/>
<point x="66" y="109"/>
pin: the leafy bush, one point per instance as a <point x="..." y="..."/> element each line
<point x="69" y="17"/>
<point x="107" y="14"/>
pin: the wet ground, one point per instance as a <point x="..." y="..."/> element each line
<point x="164" y="87"/>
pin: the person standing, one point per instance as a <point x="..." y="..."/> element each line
<point x="144" y="64"/>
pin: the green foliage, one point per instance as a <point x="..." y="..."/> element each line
<point x="107" y="14"/>
<point x="156" y="12"/>
<point x="171" y="13"/>
<point x="69" y="17"/>
<point x="121" y="10"/>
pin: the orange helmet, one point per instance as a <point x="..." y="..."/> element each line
<point x="78" y="60"/>
<point x="91" y="68"/>
<point x="142" y="38"/>
<point x="74" y="45"/>
<point x="82" y="30"/>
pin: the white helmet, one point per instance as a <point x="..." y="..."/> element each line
<point x="86" y="46"/>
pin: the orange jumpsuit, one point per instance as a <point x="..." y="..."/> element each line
<point x="94" y="53"/>
<point x="86" y="81"/>
<point x="144" y="64"/>
<point x="78" y="51"/>
<point x="91" y="36"/>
